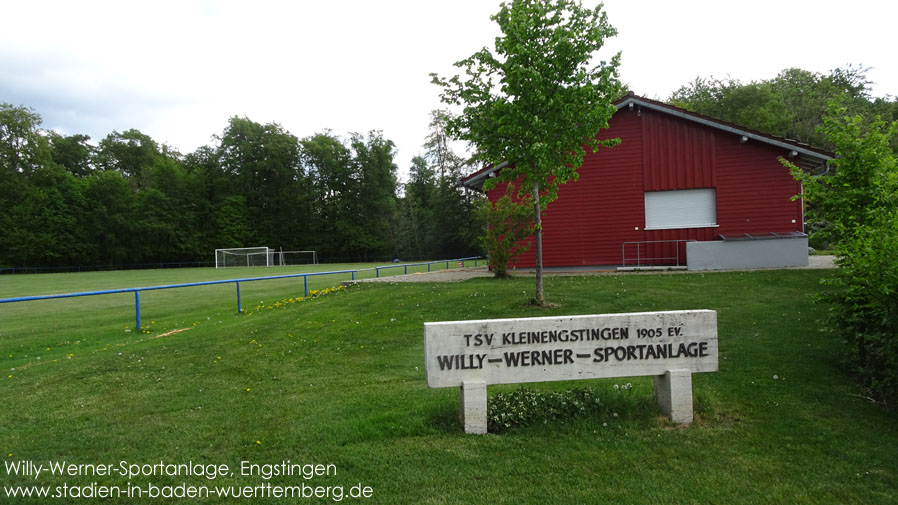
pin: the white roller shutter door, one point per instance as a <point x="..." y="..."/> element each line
<point x="687" y="208"/>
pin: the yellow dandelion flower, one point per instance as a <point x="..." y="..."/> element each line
<point x="258" y="442"/>
<point x="247" y="389"/>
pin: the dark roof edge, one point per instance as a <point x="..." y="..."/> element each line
<point x="475" y="180"/>
<point x="781" y="142"/>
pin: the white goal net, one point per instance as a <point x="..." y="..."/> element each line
<point x="245" y="257"/>
<point x="284" y="258"/>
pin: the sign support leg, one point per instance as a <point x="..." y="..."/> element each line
<point x="673" y="392"/>
<point x="472" y="406"/>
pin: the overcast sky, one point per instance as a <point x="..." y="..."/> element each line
<point x="177" y="70"/>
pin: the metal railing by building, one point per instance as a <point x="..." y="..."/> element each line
<point x="646" y="253"/>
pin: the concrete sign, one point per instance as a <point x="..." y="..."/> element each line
<point x="474" y="354"/>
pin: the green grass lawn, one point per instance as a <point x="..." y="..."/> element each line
<point x="339" y="380"/>
<point x="59" y="322"/>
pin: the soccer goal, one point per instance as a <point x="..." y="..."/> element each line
<point x="244" y="257"/>
<point x="284" y="258"/>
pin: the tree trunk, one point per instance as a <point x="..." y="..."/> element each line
<point x="537" y="220"/>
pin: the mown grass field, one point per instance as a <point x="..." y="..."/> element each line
<point x="339" y="379"/>
<point x="54" y="322"/>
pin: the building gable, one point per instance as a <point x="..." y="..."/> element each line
<point x="674" y="177"/>
<point x="805" y="156"/>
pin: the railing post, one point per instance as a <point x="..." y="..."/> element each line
<point x="137" y="307"/>
<point x="239" y="308"/>
<point x="428" y="267"/>
<point x="638" y="257"/>
<point x="305" y="284"/>
<point x="353" y="274"/>
<point x="406" y="269"/>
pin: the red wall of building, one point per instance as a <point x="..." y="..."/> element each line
<point x="595" y="215"/>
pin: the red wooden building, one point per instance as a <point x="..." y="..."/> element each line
<point x="676" y="176"/>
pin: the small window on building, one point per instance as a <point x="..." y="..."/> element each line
<point x="687" y="208"/>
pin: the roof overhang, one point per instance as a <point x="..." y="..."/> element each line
<point x="810" y="158"/>
<point x="476" y="180"/>
<point x="817" y="155"/>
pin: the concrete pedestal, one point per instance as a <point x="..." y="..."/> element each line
<point x="472" y="406"/>
<point x="673" y="392"/>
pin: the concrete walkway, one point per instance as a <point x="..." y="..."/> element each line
<point x="821" y="262"/>
<point x="451" y="275"/>
<point x="462" y="274"/>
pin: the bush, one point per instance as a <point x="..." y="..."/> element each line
<point x="865" y="305"/>
<point x="859" y="201"/>
<point x="508" y="223"/>
<point x="526" y="407"/>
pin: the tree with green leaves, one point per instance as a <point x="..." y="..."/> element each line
<point x="22" y="147"/>
<point x="791" y="105"/>
<point x="538" y="100"/>
<point x="508" y="222"/>
<point x="376" y="203"/>
<point x="327" y="161"/>
<point x="418" y="209"/>
<point x="860" y="198"/>
<point x="72" y="152"/>
<point x="132" y="154"/>
<point x="755" y="105"/>
<point x="264" y="161"/>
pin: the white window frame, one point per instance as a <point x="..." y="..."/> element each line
<point x="698" y="207"/>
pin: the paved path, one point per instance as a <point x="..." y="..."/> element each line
<point x="452" y="275"/>
<point x="821" y="262"/>
<point x="462" y="274"/>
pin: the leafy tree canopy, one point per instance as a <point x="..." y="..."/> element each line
<point x="790" y="105"/>
<point x="538" y="99"/>
<point x="859" y="197"/>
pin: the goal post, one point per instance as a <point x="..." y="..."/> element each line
<point x="244" y="257"/>
<point x="284" y="258"/>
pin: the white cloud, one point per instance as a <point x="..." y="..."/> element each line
<point x="177" y="70"/>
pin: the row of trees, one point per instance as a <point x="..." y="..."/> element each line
<point x="790" y="105"/>
<point x="129" y="199"/>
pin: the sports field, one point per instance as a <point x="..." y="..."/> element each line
<point x="339" y="380"/>
<point x="83" y="318"/>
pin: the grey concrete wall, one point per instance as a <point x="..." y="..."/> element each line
<point x="739" y="254"/>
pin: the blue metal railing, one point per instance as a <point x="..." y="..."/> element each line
<point x="406" y="265"/>
<point x="138" y="290"/>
